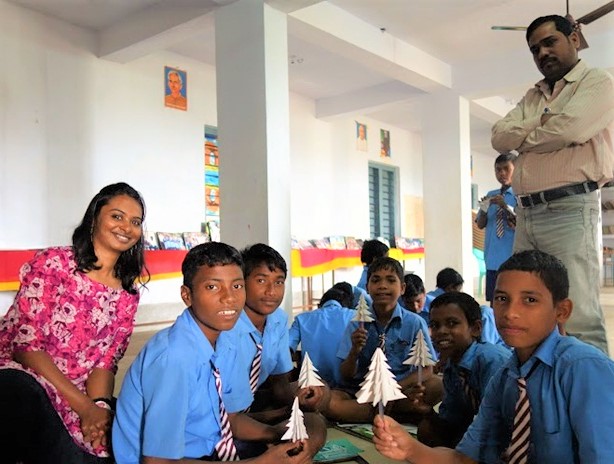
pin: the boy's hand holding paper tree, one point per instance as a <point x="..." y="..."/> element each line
<point x="420" y="355"/>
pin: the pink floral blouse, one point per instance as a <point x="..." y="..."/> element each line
<point x="80" y="323"/>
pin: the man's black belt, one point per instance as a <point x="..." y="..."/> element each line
<point x="532" y="199"/>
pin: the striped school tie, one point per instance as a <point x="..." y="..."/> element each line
<point x="225" y="448"/>
<point x="254" y="370"/>
<point x="381" y="341"/>
<point x="518" y="451"/>
<point x="499" y="218"/>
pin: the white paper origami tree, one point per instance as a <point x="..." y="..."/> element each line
<point x="308" y="376"/>
<point x="420" y="355"/>
<point x="296" y="425"/>
<point x="379" y="386"/>
<point x="362" y="312"/>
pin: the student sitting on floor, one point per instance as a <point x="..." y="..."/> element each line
<point x="414" y="296"/>
<point x="395" y="329"/>
<point x="456" y="325"/>
<point x="319" y="333"/>
<point x="264" y="356"/>
<point x="170" y="407"/>
<point x="371" y="250"/>
<point x="560" y="387"/>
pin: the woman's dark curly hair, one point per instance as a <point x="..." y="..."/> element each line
<point x="131" y="263"/>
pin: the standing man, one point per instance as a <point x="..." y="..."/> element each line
<point x="496" y="213"/>
<point x="563" y="130"/>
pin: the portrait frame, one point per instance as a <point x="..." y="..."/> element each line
<point x="175" y="88"/>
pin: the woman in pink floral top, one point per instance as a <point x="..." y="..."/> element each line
<point x="63" y="336"/>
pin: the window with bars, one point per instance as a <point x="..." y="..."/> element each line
<point x="383" y="204"/>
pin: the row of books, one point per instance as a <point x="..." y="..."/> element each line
<point x="174" y="240"/>
<point x="339" y="242"/>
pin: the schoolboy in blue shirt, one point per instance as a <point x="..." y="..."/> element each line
<point x="159" y="417"/>
<point x="568" y="382"/>
<point x="371" y="250"/>
<point x="414" y="296"/>
<point x="448" y="280"/>
<point x="398" y="328"/>
<point x="319" y="333"/>
<point x="456" y="325"/>
<point x="263" y="322"/>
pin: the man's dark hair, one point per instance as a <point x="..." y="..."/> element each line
<point x="549" y="269"/>
<point x="465" y="302"/>
<point x="208" y="254"/>
<point x="505" y="158"/>
<point x="261" y="254"/>
<point x="371" y="250"/>
<point x="561" y="23"/>
<point x="385" y="263"/>
<point x="449" y="277"/>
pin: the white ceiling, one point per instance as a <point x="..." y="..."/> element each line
<point x="483" y="63"/>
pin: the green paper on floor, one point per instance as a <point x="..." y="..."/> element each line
<point x="336" y="450"/>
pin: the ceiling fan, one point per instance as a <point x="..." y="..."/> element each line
<point x="586" y="19"/>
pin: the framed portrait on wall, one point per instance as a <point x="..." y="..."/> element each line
<point x="385" y="143"/>
<point x="361" y="136"/>
<point x="175" y="88"/>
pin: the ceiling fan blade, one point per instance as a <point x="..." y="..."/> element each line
<point x="578" y="29"/>
<point x="508" y="28"/>
<point x="596" y="14"/>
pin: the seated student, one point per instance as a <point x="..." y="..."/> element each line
<point x="262" y="334"/>
<point x="456" y="325"/>
<point x="562" y="385"/>
<point x="394" y="328"/>
<point x="319" y="333"/>
<point x="449" y="280"/>
<point x="170" y="407"/>
<point x="371" y="250"/>
<point x="414" y="297"/>
<point x="355" y="292"/>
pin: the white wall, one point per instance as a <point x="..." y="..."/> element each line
<point x="71" y="123"/>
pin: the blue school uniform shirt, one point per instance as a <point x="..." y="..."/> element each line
<point x="570" y="385"/>
<point x="401" y="333"/>
<point x="498" y="249"/>
<point x="168" y="406"/>
<point x="362" y="283"/>
<point x="358" y="292"/>
<point x="276" y="358"/>
<point x="490" y="333"/>
<point x="478" y="363"/>
<point x="319" y="332"/>
<point x="430" y="296"/>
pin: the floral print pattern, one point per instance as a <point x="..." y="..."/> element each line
<point x="82" y="324"/>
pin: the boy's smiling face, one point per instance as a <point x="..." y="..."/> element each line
<point x="217" y="298"/>
<point x="385" y="288"/>
<point x="265" y="289"/>
<point x="525" y="312"/>
<point x="451" y="332"/>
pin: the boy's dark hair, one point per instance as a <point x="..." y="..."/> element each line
<point x="131" y="263"/>
<point x="414" y="286"/>
<point x="465" y="302"/>
<point x="447" y="277"/>
<point x="505" y="158"/>
<point x="346" y="288"/>
<point x="208" y="254"/>
<point x="549" y="269"/>
<point x="371" y="250"/>
<point x="562" y="25"/>
<point x="336" y="295"/>
<point x="385" y="263"/>
<point x="260" y="254"/>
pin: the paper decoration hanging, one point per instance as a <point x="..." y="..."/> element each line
<point x="379" y="386"/>
<point x="308" y="377"/>
<point x="296" y="425"/>
<point x="420" y="355"/>
<point x="362" y="311"/>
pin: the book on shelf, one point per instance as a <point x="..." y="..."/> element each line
<point x="352" y="244"/>
<point x="151" y="241"/>
<point x="170" y="241"/>
<point x="336" y="242"/>
<point x="191" y="239"/>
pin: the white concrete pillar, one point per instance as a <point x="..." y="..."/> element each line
<point x="447" y="187"/>
<point x="253" y="126"/>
